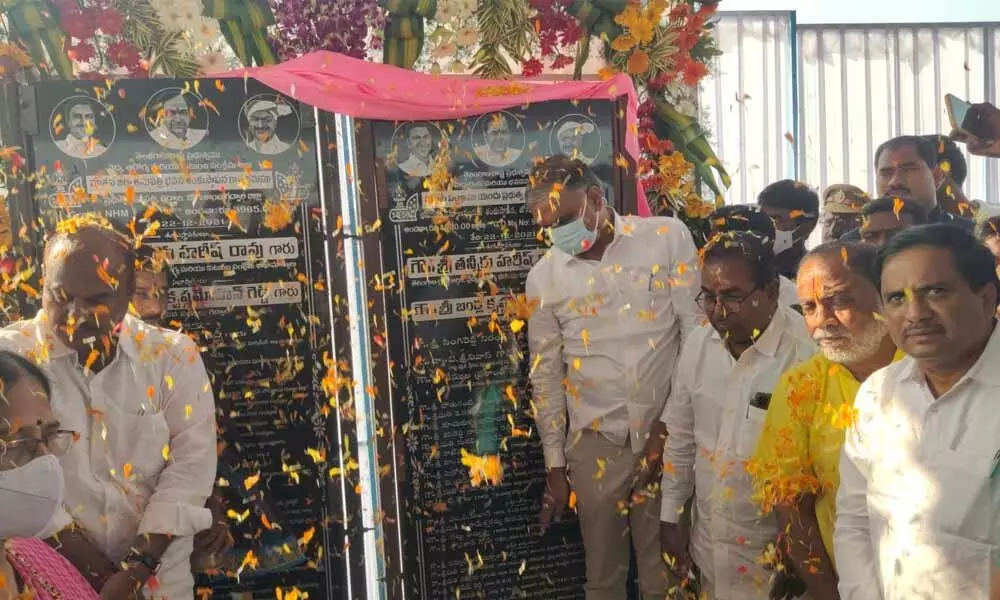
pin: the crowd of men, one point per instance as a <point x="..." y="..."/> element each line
<point x="755" y="419"/>
<point x="812" y="423"/>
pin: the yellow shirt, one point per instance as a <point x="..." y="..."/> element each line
<point x="798" y="451"/>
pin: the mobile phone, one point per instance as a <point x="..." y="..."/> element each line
<point x="761" y="400"/>
<point x="965" y="119"/>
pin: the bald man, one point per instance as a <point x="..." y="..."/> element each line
<point x="144" y="463"/>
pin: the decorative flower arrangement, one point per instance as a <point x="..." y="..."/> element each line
<point x="666" y="50"/>
<point x="344" y="26"/>
<point x="664" y="45"/>
<point x="12" y="59"/>
<point x="98" y="39"/>
<point x="559" y="34"/>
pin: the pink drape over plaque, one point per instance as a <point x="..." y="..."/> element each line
<point x="366" y="90"/>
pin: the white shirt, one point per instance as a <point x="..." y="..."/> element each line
<point x="81" y="148"/>
<point x="166" y="138"/>
<point x="414" y="167"/>
<point x="494" y="158"/>
<point x="711" y="432"/>
<point x="153" y="398"/>
<point x="787" y="294"/>
<point x="273" y="145"/>
<point x="613" y="329"/>
<point x="918" y="509"/>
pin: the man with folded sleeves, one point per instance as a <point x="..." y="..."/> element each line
<point x="614" y="300"/>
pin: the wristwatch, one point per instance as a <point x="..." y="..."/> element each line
<point x="137" y="558"/>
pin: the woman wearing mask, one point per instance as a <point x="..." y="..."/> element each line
<point x="31" y="488"/>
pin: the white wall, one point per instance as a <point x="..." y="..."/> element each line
<point x="878" y="11"/>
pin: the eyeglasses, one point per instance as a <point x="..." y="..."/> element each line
<point x="730" y="303"/>
<point x="20" y="451"/>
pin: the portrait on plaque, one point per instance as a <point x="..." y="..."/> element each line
<point x="576" y="136"/>
<point x="81" y="127"/>
<point x="176" y="119"/>
<point x="499" y="139"/>
<point x="414" y="145"/>
<point x="269" y="124"/>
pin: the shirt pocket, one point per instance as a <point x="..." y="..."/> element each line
<point x="647" y="292"/>
<point x="138" y="440"/>
<point x="939" y="566"/>
<point x="964" y="503"/>
<point x="751" y="423"/>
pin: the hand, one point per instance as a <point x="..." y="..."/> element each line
<point x="674" y="538"/>
<point x="555" y="498"/>
<point x="125" y="585"/>
<point x="786" y="585"/>
<point x="989" y="146"/>
<point x="650" y="466"/>
<point x="216" y="539"/>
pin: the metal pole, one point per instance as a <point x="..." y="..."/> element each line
<point x="371" y="505"/>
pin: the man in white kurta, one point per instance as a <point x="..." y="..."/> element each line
<point x="918" y="509"/>
<point x="145" y="461"/>
<point x="615" y="297"/>
<point x="718" y="402"/>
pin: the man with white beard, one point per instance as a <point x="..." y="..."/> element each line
<point x="796" y="464"/>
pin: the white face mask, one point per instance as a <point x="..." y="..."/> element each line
<point x="30" y="498"/>
<point x="783" y="240"/>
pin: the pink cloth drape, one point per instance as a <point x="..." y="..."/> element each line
<point x="366" y="90"/>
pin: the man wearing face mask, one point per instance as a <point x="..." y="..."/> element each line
<point x="718" y="401"/>
<point x="31" y="487"/>
<point x="137" y="481"/>
<point x="615" y="299"/>
<point x="794" y="208"/>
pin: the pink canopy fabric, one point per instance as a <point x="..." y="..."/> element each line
<point x="366" y="90"/>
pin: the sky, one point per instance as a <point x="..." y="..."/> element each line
<point x="879" y="11"/>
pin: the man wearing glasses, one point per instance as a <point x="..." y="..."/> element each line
<point x="138" y="478"/>
<point x="719" y="398"/>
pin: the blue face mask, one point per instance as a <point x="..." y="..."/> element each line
<point x="573" y="238"/>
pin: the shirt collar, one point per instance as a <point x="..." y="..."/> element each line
<point x="939" y="215"/>
<point x="128" y="336"/>
<point x="768" y="341"/>
<point x="984" y="370"/>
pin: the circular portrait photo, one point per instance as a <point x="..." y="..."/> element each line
<point x="82" y="127"/>
<point x="176" y="119"/>
<point x="269" y="124"/>
<point x="576" y="136"/>
<point x="498" y="139"/>
<point x="414" y="144"/>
